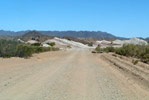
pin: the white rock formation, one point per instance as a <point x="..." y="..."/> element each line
<point x="134" y="41"/>
<point x="19" y="40"/>
<point x="66" y="42"/>
<point x="103" y="42"/>
<point x="45" y="45"/>
<point x="32" y="41"/>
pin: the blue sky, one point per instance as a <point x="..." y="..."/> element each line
<point x="125" y="18"/>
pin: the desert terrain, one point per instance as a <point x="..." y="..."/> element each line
<point x="68" y="75"/>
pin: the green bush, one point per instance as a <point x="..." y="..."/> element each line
<point x="145" y="58"/>
<point x="7" y="48"/>
<point x="90" y="44"/>
<point x="98" y="49"/>
<point x="68" y="46"/>
<point x="138" y="51"/>
<point x="54" y="49"/>
<point x="36" y="44"/>
<point x="130" y="50"/>
<point x="51" y="44"/>
<point x="145" y="55"/>
<point x="135" y="62"/>
<point x="109" y="49"/>
<point x="44" y="49"/>
<point x="15" y="49"/>
<point x="120" y="51"/>
<point x="24" y="51"/>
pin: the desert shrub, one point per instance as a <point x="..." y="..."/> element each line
<point x="126" y="50"/>
<point x="13" y="49"/>
<point x="36" y="44"/>
<point x="109" y="49"/>
<point x="98" y="49"/>
<point x="44" y="49"/>
<point x="55" y="49"/>
<point x="114" y="55"/>
<point x="138" y="51"/>
<point x="145" y="58"/>
<point x="120" y="51"/>
<point x="51" y="44"/>
<point x="90" y="44"/>
<point x="130" y="50"/>
<point x="37" y="49"/>
<point x="24" y="51"/>
<point x="47" y="49"/>
<point x="7" y="48"/>
<point x="145" y="54"/>
<point x="68" y="46"/>
<point x="135" y="62"/>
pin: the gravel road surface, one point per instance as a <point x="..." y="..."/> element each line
<point x="65" y="75"/>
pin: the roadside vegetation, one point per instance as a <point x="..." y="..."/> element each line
<point x="10" y="48"/>
<point x="130" y="50"/>
<point x="51" y="44"/>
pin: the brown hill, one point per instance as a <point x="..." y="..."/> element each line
<point x="35" y="35"/>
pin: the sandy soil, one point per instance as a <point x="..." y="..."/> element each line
<point x="138" y="72"/>
<point x="66" y="75"/>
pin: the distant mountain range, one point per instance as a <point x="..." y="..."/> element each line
<point x="81" y="34"/>
<point x="11" y="33"/>
<point x="76" y="34"/>
<point x="147" y="39"/>
<point x="34" y="35"/>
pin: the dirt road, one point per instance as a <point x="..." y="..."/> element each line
<point x="65" y="75"/>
